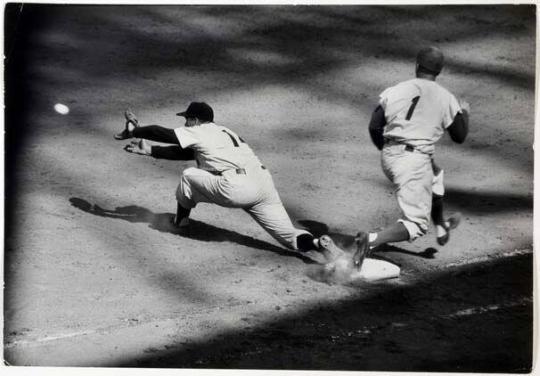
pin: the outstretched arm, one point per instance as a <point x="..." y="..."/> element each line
<point x="172" y="152"/>
<point x="151" y="132"/>
<point x="156" y="133"/>
<point x="376" y="127"/>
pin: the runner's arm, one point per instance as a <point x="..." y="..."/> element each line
<point x="459" y="128"/>
<point x="376" y="127"/>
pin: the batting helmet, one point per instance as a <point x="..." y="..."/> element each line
<point x="431" y="59"/>
<point x="199" y="110"/>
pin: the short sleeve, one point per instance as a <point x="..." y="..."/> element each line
<point x="451" y="111"/>
<point x="383" y="98"/>
<point x="186" y="137"/>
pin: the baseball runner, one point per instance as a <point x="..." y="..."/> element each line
<point x="410" y="118"/>
<point x="228" y="174"/>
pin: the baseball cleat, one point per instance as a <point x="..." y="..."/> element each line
<point x="362" y="249"/>
<point x="181" y="224"/>
<point x="451" y="223"/>
<point x="131" y="124"/>
<point x="329" y="249"/>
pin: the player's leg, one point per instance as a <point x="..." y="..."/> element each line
<point x="437" y="203"/>
<point x="394" y="233"/>
<point x="181" y="219"/>
<point x="195" y="186"/>
<point x="442" y="225"/>
<point x="273" y="218"/>
<point x="412" y="174"/>
<point x="306" y="242"/>
<point x="271" y="215"/>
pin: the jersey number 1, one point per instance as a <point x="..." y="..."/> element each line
<point x="411" y="109"/>
<point x="233" y="139"/>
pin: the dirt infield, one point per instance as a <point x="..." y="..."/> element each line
<point x="95" y="276"/>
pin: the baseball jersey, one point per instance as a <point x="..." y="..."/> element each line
<point x="216" y="148"/>
<point x="417" y="111"/>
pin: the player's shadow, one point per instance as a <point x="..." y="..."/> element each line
<point x="197" y="230"/>
<point x="345" y="241"/>
<point x="428" y="253"/>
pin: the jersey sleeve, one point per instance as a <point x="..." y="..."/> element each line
<point x="186" y="137"/>
<point x="383" y="98"/>
<point x="451" y="111"/>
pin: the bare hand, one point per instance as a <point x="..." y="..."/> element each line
<point x="464" y="106"/>
<point x="139" y="147"/>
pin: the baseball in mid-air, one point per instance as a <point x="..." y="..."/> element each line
<point x="62" y="109"/>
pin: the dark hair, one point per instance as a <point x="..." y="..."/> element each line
<point x="430" y="60"/>
<point x="421" y="69"/>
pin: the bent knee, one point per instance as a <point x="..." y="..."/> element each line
<point x="190" y="171"/>
<point x="414" y="229"/>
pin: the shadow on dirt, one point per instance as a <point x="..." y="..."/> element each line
<point x="482" y="202"/>
<point x="197" y="230"/>
<point x="436" y="324"/>
<point x="428" y="253"/>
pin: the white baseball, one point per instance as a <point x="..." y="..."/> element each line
<point x="62" y="109"/>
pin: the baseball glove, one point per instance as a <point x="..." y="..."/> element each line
<point x="131" y="124"/>
<point x="131" y="118"/>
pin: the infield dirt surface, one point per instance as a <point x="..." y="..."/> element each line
<point x="94" y="275"/>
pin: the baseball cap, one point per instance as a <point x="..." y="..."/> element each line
<point x="199" y="110"/>
<point x="430" y="58"/>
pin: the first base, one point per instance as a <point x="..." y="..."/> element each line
<point x="375" y="269"/>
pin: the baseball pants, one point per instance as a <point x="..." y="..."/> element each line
<point x="253" y="191"/>
<point x="412" y="173"/>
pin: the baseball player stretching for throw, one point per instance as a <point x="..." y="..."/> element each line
<point x="228" y="174"/>
<point x="410" y="118"/>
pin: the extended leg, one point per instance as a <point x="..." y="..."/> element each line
<point x="274" y="219"/>
<point x="306" y="242"/>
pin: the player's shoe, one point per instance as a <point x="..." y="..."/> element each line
<point x="182" y="224"/>
<point x="329" y="249"/>
<point x="131" y="124"/>
<point x="451" y="223"/>
<point x="362" y="249"/>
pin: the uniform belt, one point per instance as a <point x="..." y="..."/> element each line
<point x="407" y="146"/>
<point x="239" y="171"/>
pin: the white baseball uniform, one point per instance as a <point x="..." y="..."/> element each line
<point x="417" y="112"/>
<point x="229" y="174"/>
